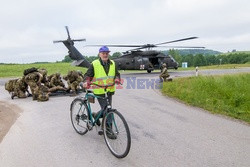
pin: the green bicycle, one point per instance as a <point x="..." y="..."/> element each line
<point x="114" y="127"/>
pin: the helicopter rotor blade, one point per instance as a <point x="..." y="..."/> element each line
<point x="136" y="49"/>
<point x="195" y="47"/>
<point x="179" y="40"/>
<point x="144" y="47"/>
<point x="115" y="45"/>
<point x="152" y="46"/>
<point x="67" y="29"/>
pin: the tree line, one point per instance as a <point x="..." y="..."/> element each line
<point x="194" y="60"/>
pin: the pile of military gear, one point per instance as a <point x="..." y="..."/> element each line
<point x="43" y="86"/>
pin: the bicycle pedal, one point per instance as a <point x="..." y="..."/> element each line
<point x="100" y="132"/>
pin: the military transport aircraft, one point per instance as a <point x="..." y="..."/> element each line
<point x="134" y="59"/>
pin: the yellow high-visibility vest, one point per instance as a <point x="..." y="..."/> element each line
<point x="101" y="78"/>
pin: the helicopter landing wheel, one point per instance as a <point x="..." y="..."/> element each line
<point x="149" y="71"/>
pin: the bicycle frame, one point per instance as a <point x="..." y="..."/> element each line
<point x="101" y="112"/>
<point x="113" y="123"/>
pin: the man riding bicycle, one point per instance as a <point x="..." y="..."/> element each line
<point x="102" y="71"/>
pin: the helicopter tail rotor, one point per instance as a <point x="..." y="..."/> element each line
<point x="78" y="40"/>
<point x="67" y="29"/>
<point x="74" y="54"/>
<point x="69" y="38"/>
<point x="58" y="41"/>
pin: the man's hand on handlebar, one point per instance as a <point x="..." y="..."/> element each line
<point x="118" y="81"/>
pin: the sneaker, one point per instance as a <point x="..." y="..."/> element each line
<point x="100" y="132"/>
<point x="111" y="135"/>
<point x="95" y="116"/>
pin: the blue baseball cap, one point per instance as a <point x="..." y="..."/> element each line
<point x="104" y="49"/>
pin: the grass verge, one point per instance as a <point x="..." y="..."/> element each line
<point x="227" y="95"/>
<point x="223" y="66"/>
<point x="16" y="70"/>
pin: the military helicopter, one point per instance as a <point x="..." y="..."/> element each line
<point x="133" y="59"/>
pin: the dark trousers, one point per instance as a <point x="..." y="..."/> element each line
<point x="103" y="102"/>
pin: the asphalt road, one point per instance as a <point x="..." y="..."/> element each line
<point x="164" y="132"/>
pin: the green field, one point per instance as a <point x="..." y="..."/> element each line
<point x="16" y="70"/>
<point x="223" y="66"/>
<point x="227" y="95"/>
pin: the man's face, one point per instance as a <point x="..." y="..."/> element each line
<point x="104" y="56"/>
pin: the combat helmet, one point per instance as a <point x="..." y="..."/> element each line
<point x="79" y="72"/>
<point x="58" y="74"/>
<point x="43" y="71"/>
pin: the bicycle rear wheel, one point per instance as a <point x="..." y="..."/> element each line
<point x="79" y="116"/>
<point x="116" y="134"/>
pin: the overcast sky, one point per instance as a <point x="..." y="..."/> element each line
<point x="28" y="27"/>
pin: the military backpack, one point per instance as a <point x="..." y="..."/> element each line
<point x="30" y="70"/>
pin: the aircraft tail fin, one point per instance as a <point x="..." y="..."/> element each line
<point x="74" y="54"/>
<point x="81" y="63"/>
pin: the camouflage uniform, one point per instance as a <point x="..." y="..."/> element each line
<point x="20" y="88"/>
<point x="44" y="80"/>
<point x="50" y="76"/>
<point x="33" y="80"/>
<point x="164" y="74"/>
<point x="73" y="79"/>
<point x="56" y="83"/>
<point x="80" y="74"/>
<point x="9" y="86"/>
<point x="82" y="78"/>
<point x="43" y="93"/>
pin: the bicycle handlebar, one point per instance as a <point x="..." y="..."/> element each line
<point x="103" y="86"/>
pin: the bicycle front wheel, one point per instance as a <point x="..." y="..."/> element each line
<point x="79" y="116"/>
<point x="116" y="134"/>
